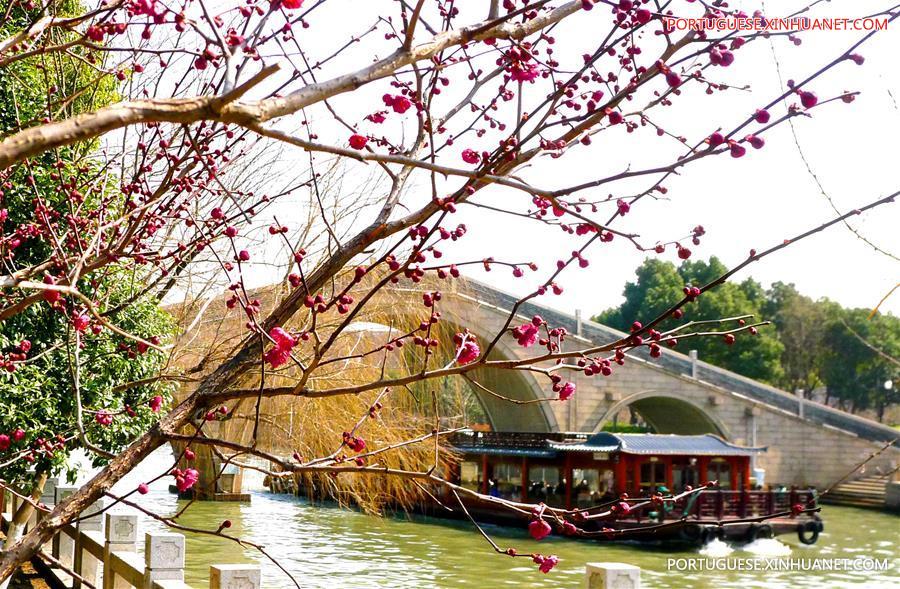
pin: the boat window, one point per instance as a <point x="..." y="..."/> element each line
<point x="591" y="486"/>
<point x="684" y="473"/>
<point x="470" y="475"/>
<point x="545" y="485"/>
<point x="653" y="476"/>
<point x="719" y="470"/>
<point x="507" y="481"/>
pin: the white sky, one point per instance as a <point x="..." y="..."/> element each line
<point x="753" y="202"/>
<point x="767" y="195"/>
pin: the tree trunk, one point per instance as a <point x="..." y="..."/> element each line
<point x="71" y="507"/>
<point x="20" y="519"/>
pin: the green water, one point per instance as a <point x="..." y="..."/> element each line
<point x="331" y="547"/>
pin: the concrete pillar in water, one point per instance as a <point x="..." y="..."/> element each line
<point x="611" y="575"/>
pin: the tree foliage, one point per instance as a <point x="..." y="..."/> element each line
<point x="45" y="344"/>
<point x="812" y="344"/>
<point x="659" y="285"/>
<point x="859" y="357"/>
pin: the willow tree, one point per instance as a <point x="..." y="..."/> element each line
<point x="453" y="104"/>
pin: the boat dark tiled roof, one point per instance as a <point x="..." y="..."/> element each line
<point x="703" y="445"/>
<point x="548" y="445"/>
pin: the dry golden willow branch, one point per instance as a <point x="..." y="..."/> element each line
<point x="303" y="391"/>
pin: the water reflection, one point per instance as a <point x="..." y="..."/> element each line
<point x="331" y="547"/>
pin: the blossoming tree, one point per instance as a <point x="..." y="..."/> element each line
<point x="451" y="104"/>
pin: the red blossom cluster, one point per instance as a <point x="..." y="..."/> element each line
<point x="6" y="440"/>
<point x="545" y="563"/>
<point x="217" y="414"/>
<point x="467" y="350"/>
<point x="9" y="359"/>
<point x="520" y="63"/>
<point x="280" y="353"/>
<point x="400" y="104"/>
<point x="185" y="479"/>
<point x="564" y="389"/>
<point x="155" y="403"/>
<point x="355" y="443"/>
<point x="538" y="528"/>
<point x="527" y="333"/>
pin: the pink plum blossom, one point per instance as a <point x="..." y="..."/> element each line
<point x="156" y="403"/>
<point x="545" y="563"/>
<point x="469" y="352"/>
<point x="281" y="351"/>
<point x="526" y="334"/>
<point x="539" y="529"/>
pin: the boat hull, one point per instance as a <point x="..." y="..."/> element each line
<point x="689" y="531"/>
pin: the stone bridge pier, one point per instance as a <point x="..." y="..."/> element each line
<point x="218" y="481"/>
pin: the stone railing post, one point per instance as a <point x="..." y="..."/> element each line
<point x="164" y="558"/>
<point x="63" y="544"/>
<point x="86" y="564"/>
<point x="611" y="575"/>
<point x="48" y="498"/>
<point x="121" y="536"/>
<point x="234" y="576"/>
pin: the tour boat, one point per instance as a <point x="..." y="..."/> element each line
<point x="592" y="473"/>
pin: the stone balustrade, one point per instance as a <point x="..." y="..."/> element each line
<point x="101" y="549"/>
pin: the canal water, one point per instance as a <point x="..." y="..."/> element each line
<point x="336" y="548"/>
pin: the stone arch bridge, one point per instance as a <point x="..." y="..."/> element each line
<point x="807" y="443"/>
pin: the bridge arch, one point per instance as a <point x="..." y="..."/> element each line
<point x="521" y="385"/>
<point x="668" y="413"/>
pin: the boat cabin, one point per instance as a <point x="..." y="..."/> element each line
<point x="577" y="470"/>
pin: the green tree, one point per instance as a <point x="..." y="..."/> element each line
<point x="659" y="285"/>
<point x="860" y="356"/>
<point x="801" y="324"/>
<point x="49" y="365"/>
